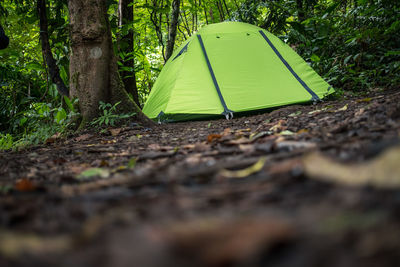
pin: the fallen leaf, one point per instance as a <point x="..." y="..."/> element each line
<point x="286" y="132"/>
<point x="280" y="126"/>
<point x="59" y="161"/>
<point x="381" y="172"/>
<point x="292" y="145"/>
<point x="132" y="163"/>
<point x="93" y="172"/>
<point x="255" y="136"/>
<point x="320" y="110"/>
<point x="50" y="141"/>
<point x="25" y="185"/>
<point x="359" y="112"/>
<point x="227" y="131"/>
<point x="295" y="114"/>
<point x="189" y="146"/>
<point x="258" y="166"/>
<point x="243" y="131"/>
<point x="212" y="137"/>
<point x="105" y="142"/>
<point x="315" y="111"/>
<point x="83" y="137"/>
<point x="53" y="138"/>
<point x="344" y="108"/>
<point x="247" y="148"/>
<point x="13" y="245"/>
<point x="302" y="131"/>
<point x="368" y="99"/>
<point x="154" y="147"/>
<point x="115" y="132"/>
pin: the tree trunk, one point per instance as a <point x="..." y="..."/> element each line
<point x="4" y="41"/>
<point x="300" y="10"/>
<point x="46" y="50"/>
<point x="172" y="29"/>
<point x="93" y="65"/>
<point x="128" y="77"/>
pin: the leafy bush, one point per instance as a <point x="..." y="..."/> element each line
<point x="109" y="116"/>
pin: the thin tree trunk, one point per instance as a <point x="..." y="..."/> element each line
<point x="93" y="65"/>
<point x="46" y="50"/>
<point x="227" y="9"/>
<point x="172" y="29"/>
<point x="157" y="22"/>
<point x="185" y="23"/>
<point x="220" y="11"/>
<point x="300" y="10"/>
<point x="128" y="77"/>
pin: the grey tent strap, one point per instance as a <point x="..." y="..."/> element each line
<point x="314" y="95"/>
<point x="227" y="112"/>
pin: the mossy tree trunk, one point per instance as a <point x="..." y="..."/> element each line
<point x="126" y="45"/>
<point x="94" y="73"/>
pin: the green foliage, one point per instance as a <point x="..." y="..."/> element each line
<point x="109" y="115"/>
<point x="6" y="141"/>
<point x="354" y="47"/>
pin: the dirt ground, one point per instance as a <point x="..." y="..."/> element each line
<point x="305" y="185"/>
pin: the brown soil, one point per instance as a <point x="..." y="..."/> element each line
<point x="208" y="193"/>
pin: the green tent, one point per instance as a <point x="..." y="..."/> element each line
<point x="231" y="67"/>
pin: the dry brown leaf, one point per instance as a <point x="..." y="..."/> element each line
<point x="359" y="112"/>
<point x="381" y="172"/>
<point x="25" y="185"/>
<point x="52" y="139"/>
<point x="247" y="148"/>
<point x="189" y="146"/>
<point x="243" y="131"/>
<point x="226" y="132"/>
<point x="83" y="137"/>
<point x="154" y="147"/>
<point x="213" y="137"/>
<point x="115" y="132"/>
<point x="303" y="131"/>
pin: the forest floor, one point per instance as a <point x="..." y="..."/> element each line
<point x="305" y="185"/>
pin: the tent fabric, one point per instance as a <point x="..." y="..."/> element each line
<point x="232" y="67"/>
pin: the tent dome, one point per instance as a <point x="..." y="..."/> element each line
<point x="231" y="67"/>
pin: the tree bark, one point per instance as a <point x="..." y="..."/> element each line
<point x="4" y="41"/>
<point x="54" y="71"/>
<point x="128" y="77"/>
<point x="300" y="10"/>
<point x="93" y="65"/>
<point x="172" y="29"/>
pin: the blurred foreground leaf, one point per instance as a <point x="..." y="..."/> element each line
<point x="94" y="172"/>
<point x="381" y="172"/>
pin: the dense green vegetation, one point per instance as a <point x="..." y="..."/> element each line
<point x="354" y="45"/>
